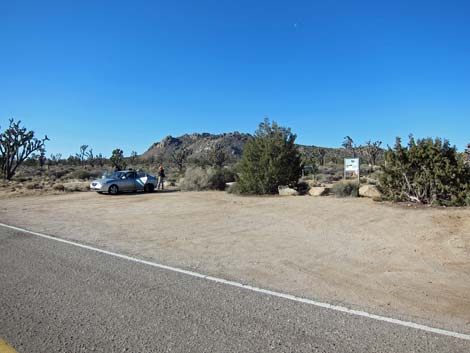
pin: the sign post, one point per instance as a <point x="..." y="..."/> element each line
<point x="352" y="168"/>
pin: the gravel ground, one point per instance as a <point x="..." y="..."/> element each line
<point x="407" y="263"/>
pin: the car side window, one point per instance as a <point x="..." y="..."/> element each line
<point x="130" y="175"/>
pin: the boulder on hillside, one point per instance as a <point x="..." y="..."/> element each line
<point x="369" y="191"/>
<point x="287" y="191"/>
<point x="318" y="191"/>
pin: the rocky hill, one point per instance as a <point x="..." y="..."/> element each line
<point x="198" y="146"/>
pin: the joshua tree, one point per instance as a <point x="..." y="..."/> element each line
<point x="179" y="158"/>
<point x="372" y="151"/>
<point x="117" y="159"/>
<point x="321" y="156"/>
<point x="133" y="157"/>
<point x="42" y="159"/>
<point x="349" y="145"/>
<point x="82" y="154"/>
<point x="16" y="145"/>
<point x="90" y="157"/>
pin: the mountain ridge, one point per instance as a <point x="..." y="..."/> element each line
<point x="199" y="145"/>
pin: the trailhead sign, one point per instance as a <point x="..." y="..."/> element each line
<point x="352" y="168"/>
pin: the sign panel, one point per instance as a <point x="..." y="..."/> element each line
<point x="351" y="164"/>
<point x="351" y="167"/>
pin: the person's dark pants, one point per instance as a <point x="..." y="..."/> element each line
<point x="160" y="183"/>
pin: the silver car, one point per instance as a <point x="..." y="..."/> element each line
<point x="124" y="181"/>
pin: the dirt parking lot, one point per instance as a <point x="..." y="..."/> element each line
<point x="403" y="262"/>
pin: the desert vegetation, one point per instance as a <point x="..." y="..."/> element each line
<point x="270" y="159"/>
<point x="17" y="144"/>
<point x="425" y="171"/>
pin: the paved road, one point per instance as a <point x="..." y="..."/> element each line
<point x="56" y="297"/>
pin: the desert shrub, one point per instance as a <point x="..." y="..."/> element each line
<point x="326" y="170"/>
<point x="198" y="178"/>
<point x="71" y="188"/>
<point x="95" y="174"/>
<point x="195" y="179"/>
<point x="320" y="178"/>
<point x="76" y="186"/>
<point x="23" y="179"/>
<point x="230" y="174"/>
<point x="346" y="189"/>
<point x="375" y="175"/>
<point x="271" y="158"/>
<point x="221" y="176"/>
<point x="59" y="187"/>
<point x="302" y="187"/>
<point x="426" y="171"/>
<point x="86" y="174"/>
<point x="59" y="173"/>
<point x="216" y="179"/>
<point x="82" y="174"/>
<point x="32" y="186"/>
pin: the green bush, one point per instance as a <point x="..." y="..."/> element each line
<point x="426" y="171"/>
<point x="271" y="158"/>
<point x="346" y="189"/>
<point x="219" y="177"/>
<point x="216" y="179"/>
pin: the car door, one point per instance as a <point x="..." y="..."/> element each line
<point x="140" y="180"/>
<point x="128" y="182"/>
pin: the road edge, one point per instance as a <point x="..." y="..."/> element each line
<point x="291" y="297"/>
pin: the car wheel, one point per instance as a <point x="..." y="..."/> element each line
<point x="113" y="190"/>
<point x="149" y="188"/>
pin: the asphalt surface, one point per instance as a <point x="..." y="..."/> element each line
<point x="55" y="297"/>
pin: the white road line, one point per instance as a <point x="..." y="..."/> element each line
<point x="254" y="289"/>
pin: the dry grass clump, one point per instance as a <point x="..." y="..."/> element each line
<point x="76" y="186"/>
<point x="196" y="179"/>
<point x="59" y="187"/>
<point x="346" y="189"/>
<point x="33" y="186"/>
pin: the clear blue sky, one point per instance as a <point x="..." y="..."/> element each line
<point x="127" y="73"/>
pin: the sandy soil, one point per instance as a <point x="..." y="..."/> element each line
<point x="408" y="263"/>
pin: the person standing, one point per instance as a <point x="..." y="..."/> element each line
<point x="161" y="177"/>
